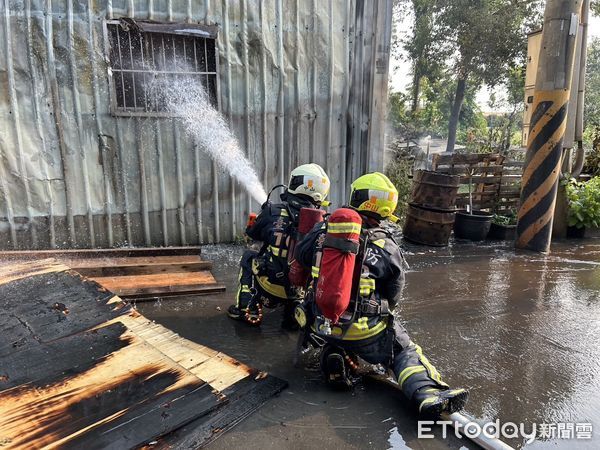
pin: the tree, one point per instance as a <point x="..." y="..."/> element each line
<point x="591" y="113"/>
<point x="421" y="47"/>
<point x="486" y="38"/>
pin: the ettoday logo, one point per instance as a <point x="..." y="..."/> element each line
<point x="508" y="430"/>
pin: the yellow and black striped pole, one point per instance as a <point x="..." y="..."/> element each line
<point x="548" y="124"/>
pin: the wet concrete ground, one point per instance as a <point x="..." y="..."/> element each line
<point x="520" y="330"/>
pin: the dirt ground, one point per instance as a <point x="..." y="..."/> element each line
<point x="520" y="330"/>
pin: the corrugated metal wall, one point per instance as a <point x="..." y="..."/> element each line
<point x="300" y="81"/>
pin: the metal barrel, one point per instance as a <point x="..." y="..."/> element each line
<point x="434" y="189"/>
<point x="428" y="226"/>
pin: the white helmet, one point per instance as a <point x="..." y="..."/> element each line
<point x="309" y="180"/>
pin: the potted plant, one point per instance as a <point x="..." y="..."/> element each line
<point x="583" y="198"/>
<point x="504" y="227"/>
<point x="471" y="224"/>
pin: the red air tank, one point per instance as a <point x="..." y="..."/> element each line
<point x="309" y="217"/>
<point x="336" y="271"/>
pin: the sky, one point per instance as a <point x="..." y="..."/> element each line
<point x="400" y="70"/>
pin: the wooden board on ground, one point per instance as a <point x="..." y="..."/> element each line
<point x="159" y="285"/>
<point x="81" y="369"/>
<point x="124" y="252"/>
<point x="142" y="277"/>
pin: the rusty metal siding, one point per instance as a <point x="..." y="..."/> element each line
<point x="299" y="81"/>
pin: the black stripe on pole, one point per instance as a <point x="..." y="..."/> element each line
<point x="542" y="172"/>
<point x="534" y="226"/>
<point x="541" y="238"/>
<point x="539" y="112"/>
<point x="535" y="213"/>
<point x="547" y="131"/>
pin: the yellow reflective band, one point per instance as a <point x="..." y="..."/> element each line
<point x="245" y="289"/>
<point x="366" y="286"/>
<point x="379" y="243"/>
<point x="315" y="272"/>
<point x="254" y="268"/>
<point x="431" y="370"/>
<point x="278" y="252"/>
<point x="344" y="227"/>
<point x="272" y="288"/>
<point x="300" y="316"/>
<point x="357" y="331"/>
<point x="428" y="401"/>
<point x="408" y="372"/>
<point x="284" y="213"/>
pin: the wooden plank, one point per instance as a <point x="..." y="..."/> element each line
<point x="477" y="195"/>
<point x="136" y="270"/>
<point x="511" y="163"/>
<point x="13" y="272"/>
<point x="130" y="282"/>
<point x="217" y="369"/>
<point x="462" y="169"/>
<point x="136" y="384"/>
<point x="244" y="397"/>
<point x="480" y="179"/>
<point x="100" y="252"/>
<point x="131" y="261"/>
<point x="79" y="352"/>
<point x="150" y="294"/>
<point x="49" y="306"/>
<point x="104" y="376"/>
<point x="467" y="158"/>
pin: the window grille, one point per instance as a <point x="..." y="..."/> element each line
<point x="166" y="53"/>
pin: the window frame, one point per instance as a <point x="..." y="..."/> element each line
<point x="166" y="28"/>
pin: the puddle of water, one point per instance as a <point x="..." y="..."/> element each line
<point x="520" y="330"/>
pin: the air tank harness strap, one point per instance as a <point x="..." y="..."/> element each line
<point x="343" y="245"/>
<point x="371" y="307"/>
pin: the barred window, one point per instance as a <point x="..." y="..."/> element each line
<point x="140" y="52"/>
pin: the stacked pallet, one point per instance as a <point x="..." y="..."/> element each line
<point x="81" y="369"/>
<point x="139" y="274"/>
<point x="510" y="187"/>
<point x="495" y="181"/>
<point x="483" y="171"/>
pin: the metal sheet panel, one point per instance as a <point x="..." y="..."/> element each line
<point x="299" y="81"/>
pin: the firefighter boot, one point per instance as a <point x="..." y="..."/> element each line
<point x="432" y="402"/>
<point x="246" y="309"/>
<point x="336" y="372"/>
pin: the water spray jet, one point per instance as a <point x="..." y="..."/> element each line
<point x="187" y="99"/>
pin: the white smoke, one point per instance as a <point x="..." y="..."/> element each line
<point x="188" y="100"/>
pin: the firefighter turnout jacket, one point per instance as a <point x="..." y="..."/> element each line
<point x="275" y="227"/>
<point x="380" y="273"/>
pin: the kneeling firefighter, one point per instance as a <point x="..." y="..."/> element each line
<point x="264" y="274"/>
<point x="357" y="279"/>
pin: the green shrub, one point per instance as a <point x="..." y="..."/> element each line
<point x="399" y="171"/>
<point x="584" y="203"/>
<point x="592" y="160"/>
<point x="505" y="219"/>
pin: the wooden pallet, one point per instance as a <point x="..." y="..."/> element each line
<point x="81" y="369"/>
<point x="495" y="180"/>
<point x="141" y="274"/>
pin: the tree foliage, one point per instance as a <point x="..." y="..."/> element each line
<point x="455" y="47"/>
<point x="592" y="86"/>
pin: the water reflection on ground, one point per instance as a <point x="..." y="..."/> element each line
<point x="520" y="330"/>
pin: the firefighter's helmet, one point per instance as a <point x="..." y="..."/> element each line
<point x="309" y="180"/>
<point x="374" y="195"/>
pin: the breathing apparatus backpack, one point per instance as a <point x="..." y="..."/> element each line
<point x="309" y="217"/>
<point x="337" y="268"/>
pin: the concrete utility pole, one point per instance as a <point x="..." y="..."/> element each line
<point x="548" y="123"/>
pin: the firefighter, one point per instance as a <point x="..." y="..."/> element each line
<point x="263" y="277"/>
<point x="369" y="327"/>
